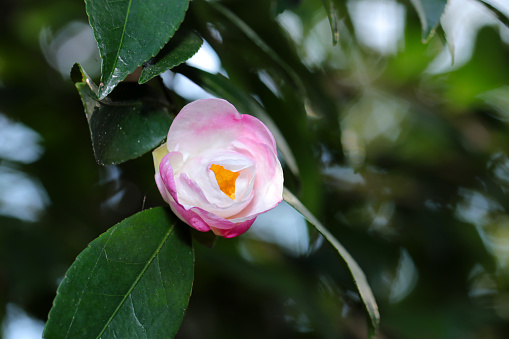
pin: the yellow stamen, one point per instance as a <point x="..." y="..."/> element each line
<point x="225" y="179"/>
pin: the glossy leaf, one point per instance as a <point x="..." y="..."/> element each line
<point x="356" y="272"/>
<point x="180" y="48"/>
<point x="222" y="87"/>
<point x="134" y="281"/>
<point x="430" y="12"/>
<point x="129" y="33"/>
<point x="125" y="125"/>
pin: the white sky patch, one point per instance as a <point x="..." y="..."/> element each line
<point x="21" y="196"/>
<point x="378" y="24"/>
<point x="18" y="142"/>
<point x="490" y="221"/>
<point x="186" y="88"/>
<point x="269" y="82"/>
<point x="376" y="115"/>
<point x="292" y="24"/>
<point x="282" y="226"/>
<point x="461" y="21"/>
<point x="345" y="177"/>
<point x="74" y="43"/>
<point x="19" y="325"/>
<point x="206" y="59"/>
<point x="405" y="279"/>
<point x="318" y="37"/>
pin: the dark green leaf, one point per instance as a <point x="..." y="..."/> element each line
<point x="255" y="38"/>
<point x="332" y="14"/>
<point x="134" y="281"/>
<point x="125" y="125"/>
<point x="207" y="239"/>
<point x="180" y="48"/>
<point x="279" y="6"/>
<point x="129" y="33"/>
<point x="355" y="271"/>
<point x="220" y="86"/>
<point x="430" y="12"/>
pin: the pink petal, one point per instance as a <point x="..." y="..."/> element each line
<point x="268" y="185"/>
<point x="213" y="123"/>
<point x="211" y="130"/>
<point x="166" y="183"/>
<point x="190" y="187"/>
<point x="221" y="226"/>
<point x="235" y="231"/>
<point x="195" y="217"/>
<point x="189" y="217"/>
<point x="166" y="172"/>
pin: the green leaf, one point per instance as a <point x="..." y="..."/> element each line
<point x="207" y="239"/>
<point x="255" y="38"/>
<point x="129" y="33"/>
<point x="430" y="12"/>
<point x="125" y="125"/>
<point x="134" y="281"/>
<point x="181" y="47"/>
<point x="279" y="6"/>
<point x="355" y="271"/>
<point x="222" y="87"/>
<point x="331" y="10"/>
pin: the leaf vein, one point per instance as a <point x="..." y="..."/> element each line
<point x="136" y="317"/>
<point x="162" y="283"/>
<point x="122" y="37"/>
<point x="156" y="252"/>
<point x="86" y="285"/>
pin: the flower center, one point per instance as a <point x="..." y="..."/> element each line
<point x="225" y="180"/>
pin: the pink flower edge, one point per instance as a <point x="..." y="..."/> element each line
<point x="216" y="124"/>
<point x="196" y="217"/>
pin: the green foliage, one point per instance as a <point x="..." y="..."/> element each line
<point x="430" y="12"/>
<point x="125" y="125"/>
<point x="406" y="165"/>
<point x="129" y="32"/>
<point x="357" y="274"/>
<point x="331" y="9"/>
<point x="180" y="48"/>
<point x="240" y="25"/>
<point x="133" y="281"/>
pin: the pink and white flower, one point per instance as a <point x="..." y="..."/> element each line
<point x="218" y="169"/>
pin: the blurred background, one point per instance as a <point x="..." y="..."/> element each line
<point x="402" y="151"/>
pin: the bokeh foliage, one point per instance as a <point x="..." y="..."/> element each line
<point x="408" y="168"/>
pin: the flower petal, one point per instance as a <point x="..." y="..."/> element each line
<point x="213" y="123"/>
<point x="166" y="171"/>
<point x="219" y="169"/>
<point x="221" y="226"/>
<point x="234" y="231"/>
<point x="268" y="185"/>
<point x="189" y="217"/>
<point x="197" y="169"/>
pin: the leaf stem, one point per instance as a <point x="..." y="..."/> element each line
<point x="355" y="271"/>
